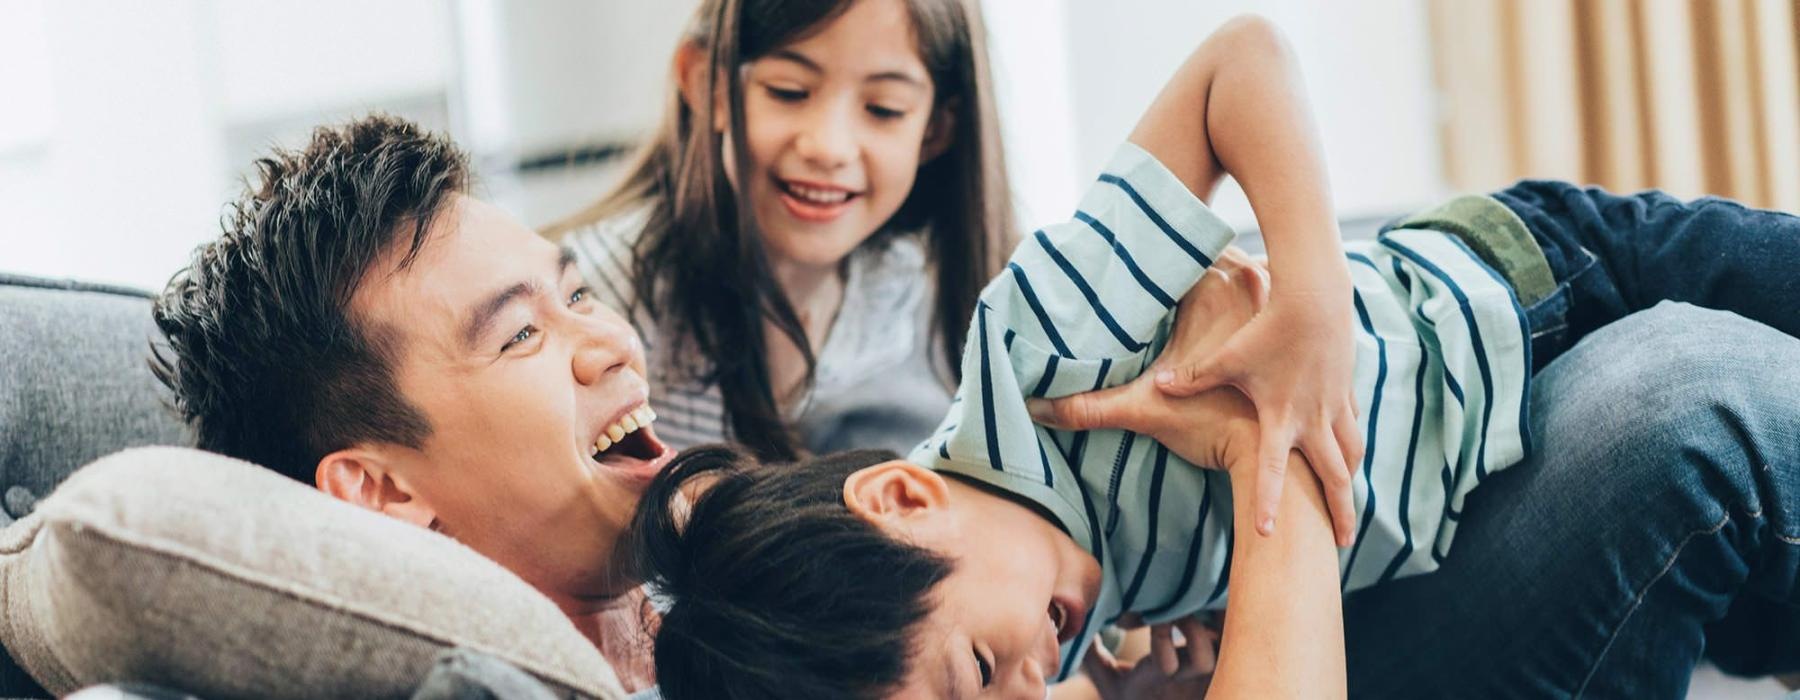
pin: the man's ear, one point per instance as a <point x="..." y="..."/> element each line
<point x="364" y="477"/>
<point x="692" y="63"/>
<point x="897" y="495"/>
<point x="940" y="132"/>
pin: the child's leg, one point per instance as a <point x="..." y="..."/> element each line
<point x="1621" y="254"/>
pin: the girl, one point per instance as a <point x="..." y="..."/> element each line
<point x="806" y="235"/>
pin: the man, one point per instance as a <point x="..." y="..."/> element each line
<point x="365" y="326"/>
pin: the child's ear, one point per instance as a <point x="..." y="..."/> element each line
<point x="940" y="132"/>
<point x="895" y="494"/>
<point x="692" y="63"/>
<point x="363" y="476"/>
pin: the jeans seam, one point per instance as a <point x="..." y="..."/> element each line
<point x="1638" y="600"/>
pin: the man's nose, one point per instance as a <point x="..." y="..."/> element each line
<point x="605" y="348"/>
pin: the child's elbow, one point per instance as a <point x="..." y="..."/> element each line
<point x="1250" y="36"/>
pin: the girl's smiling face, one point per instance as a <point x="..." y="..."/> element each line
<point x="837" y="125"/>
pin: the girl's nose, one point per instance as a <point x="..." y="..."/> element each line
<point x="828" y="141"/>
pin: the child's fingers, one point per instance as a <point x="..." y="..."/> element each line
<point x="1202" y="656"/>
<point x="1162" y="646"/>
<point x="1107" y="408"/>
<point x="1349" y="436"/>
<point x="1099" y="658"/>
<point x="1271" y="468"/>
<point x="1323" y="451"/>
<point x="1190" y="379"/>
<point x="1102" y="669"/>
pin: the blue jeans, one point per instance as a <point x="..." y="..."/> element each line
<point x="1659" y="517"/>
<point x="1613" y="255"/>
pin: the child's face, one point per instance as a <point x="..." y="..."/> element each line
<point x="836" y="124"/>
<point x="1019" y="587"/>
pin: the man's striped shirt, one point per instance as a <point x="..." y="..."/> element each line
<point x="1442" y="368"/>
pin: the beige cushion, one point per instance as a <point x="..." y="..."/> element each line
<point x="223" y="579"/>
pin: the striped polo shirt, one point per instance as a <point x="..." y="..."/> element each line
<point x="1441" y="375"/>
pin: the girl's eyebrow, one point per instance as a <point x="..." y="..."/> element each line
<point x="810" y="65"/>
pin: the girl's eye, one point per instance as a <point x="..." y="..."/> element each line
<point x="785" y="94"/>
<point x="523" y="335"/>
<point x="884" y="113"/>
<point x="987" y="670"/>
<point x="580" y="295"/>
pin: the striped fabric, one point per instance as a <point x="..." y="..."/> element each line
<point x="1441" y="375"/>
<point x="880" y="381"/>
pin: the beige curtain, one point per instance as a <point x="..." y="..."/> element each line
<point x="1690" y="96"/>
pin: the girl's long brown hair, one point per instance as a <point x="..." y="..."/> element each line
<point x="700" y="260"/>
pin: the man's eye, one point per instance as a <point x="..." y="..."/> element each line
<point x="523" y="335"/>
<point x="785" y="94"/>
<point x="987" y="670"/>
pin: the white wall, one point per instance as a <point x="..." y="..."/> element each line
<point x="126" y="178"/>
<point x="139" y="117"/>
<point x="1367" y="65"/>
<point x="123" y="126"/>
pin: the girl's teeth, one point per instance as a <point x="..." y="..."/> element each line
<point x="615" y="432"/>
<point x="602" y="444"/>
<point x="819" y="196"/>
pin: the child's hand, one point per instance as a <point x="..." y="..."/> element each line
<point x="1295" y="361"/>
<point x="1210" y="429"/>
<point x="1171" y="671"/>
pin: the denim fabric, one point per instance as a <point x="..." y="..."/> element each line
<point x="1613" y="255"/>
<point x="1658" y="518"/>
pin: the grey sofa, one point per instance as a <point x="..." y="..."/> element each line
<point x="75" y="385"/>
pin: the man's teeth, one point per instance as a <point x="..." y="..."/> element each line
<point x="816" y="195"/>
<point x="637" y="418"/>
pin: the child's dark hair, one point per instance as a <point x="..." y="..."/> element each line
<point x="778" y="590"/>
<point x="700" y="263"/>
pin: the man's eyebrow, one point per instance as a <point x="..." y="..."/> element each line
<point x="483" y="318"/>
<point x="490" y="307"/>
<point x="811" y="65"/>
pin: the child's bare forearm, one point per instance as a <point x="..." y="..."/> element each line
<point x="1238" y="106"/>
<point x="1284" y="636"/>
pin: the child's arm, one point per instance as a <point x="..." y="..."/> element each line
<point x="1284" y="634"/>
<point x="1237" y="106"/>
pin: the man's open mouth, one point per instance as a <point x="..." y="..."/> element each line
<point x="629" y="444"/>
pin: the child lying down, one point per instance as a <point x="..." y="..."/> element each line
<point x="813" y="564"/>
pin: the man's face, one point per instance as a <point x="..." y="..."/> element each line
<point x="520" y="373"/>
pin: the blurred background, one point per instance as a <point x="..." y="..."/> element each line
<point x="124" y="126"/>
